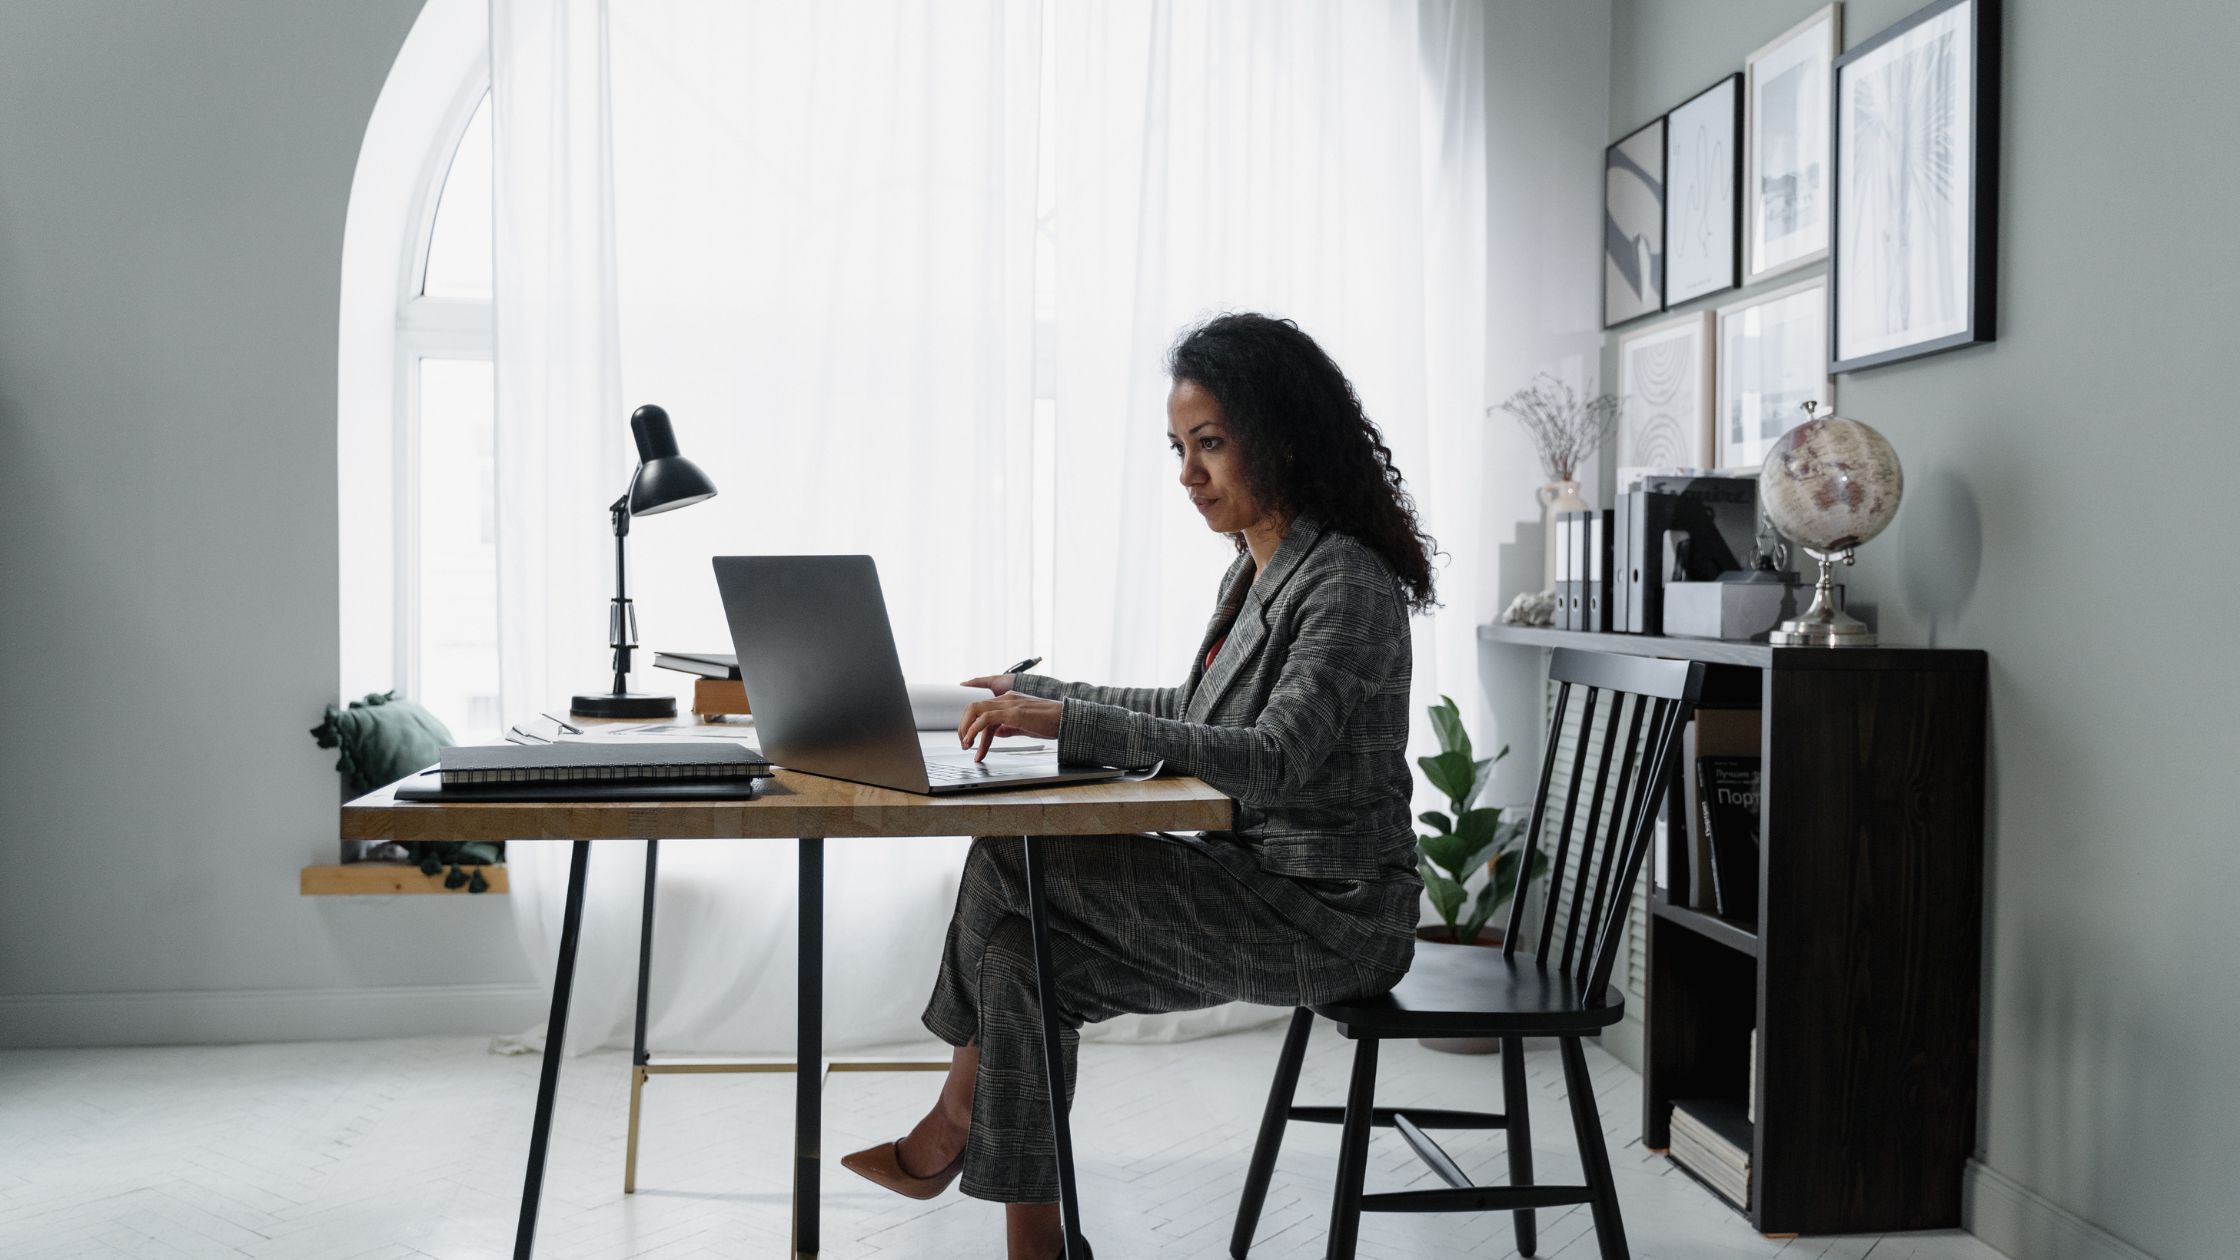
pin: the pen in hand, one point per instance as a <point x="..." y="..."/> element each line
<point x="1024" y="665"/>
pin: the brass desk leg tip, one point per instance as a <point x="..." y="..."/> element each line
<point x="630" y="1156"/>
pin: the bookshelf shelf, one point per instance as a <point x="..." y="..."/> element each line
<point x="1741" y="936"/>
<point x="1861" y="980"/>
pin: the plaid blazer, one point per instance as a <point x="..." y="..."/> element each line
<point x="1303" y="718"/>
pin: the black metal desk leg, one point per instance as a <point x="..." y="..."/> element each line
<point x="555" y="1047"/>
<point x="638" y="1043"/>
<point x="808" y="1052"/>
<point x="1053" y="1055"/>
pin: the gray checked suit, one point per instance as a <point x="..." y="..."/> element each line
<point x="1312" y="897"/>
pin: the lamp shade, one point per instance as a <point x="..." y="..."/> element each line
<point x="664" y="479"/>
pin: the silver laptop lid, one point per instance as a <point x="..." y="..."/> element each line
<point x="817" y="656"/>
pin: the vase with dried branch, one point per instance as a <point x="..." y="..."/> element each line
<point x="1565" y="429"/>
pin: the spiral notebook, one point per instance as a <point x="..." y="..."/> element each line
<point x="634" y="762"/>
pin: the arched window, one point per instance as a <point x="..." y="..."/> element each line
<point x="447" y="572"/>
<point x="415" y="475"/>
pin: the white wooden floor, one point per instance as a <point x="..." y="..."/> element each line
<point x="400" y="1150"/>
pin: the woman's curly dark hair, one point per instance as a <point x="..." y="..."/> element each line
<point x="1306" y="444"/>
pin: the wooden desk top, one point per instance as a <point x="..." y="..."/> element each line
<point x="795" y="804"/>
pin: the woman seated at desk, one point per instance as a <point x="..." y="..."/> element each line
<point x="1296" y="706"/>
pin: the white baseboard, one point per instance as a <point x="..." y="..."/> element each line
<point x="2021" y="1223"/>
<point x="221" y="1016"/>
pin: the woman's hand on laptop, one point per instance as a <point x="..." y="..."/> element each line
<point x="1011" y="713"/>
<point x="997" y="683"/>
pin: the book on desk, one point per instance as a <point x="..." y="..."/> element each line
<point x="592" y="771"/>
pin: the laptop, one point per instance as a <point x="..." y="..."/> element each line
<point x="817" y="655"/>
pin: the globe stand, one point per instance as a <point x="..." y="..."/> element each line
<point x="1824" y="624"/>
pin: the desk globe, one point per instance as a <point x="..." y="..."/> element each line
<point x="1829" y="485"/>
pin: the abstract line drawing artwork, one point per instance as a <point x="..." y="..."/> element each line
<point x="1773" y="358"/>
<point x="1701" y="224"/>
<point x="1786" y="177"/>
<point x="1910" y="274"/>
<point x="1664" y="391"/>
<point x="1633" y="226"/>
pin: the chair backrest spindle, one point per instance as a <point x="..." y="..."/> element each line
<point x="1570" y="814"/>
<point x="1634" y="748"/>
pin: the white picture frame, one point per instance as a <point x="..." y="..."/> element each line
<point x="1788" y="169"/>
<point x="1665" y="375"/>
<point x="1773" y="358"/>
<point x="1703" y="191"/>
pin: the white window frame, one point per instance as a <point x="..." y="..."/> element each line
<point x="387" y="328"/>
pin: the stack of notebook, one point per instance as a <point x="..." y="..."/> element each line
<point x="592" y="771"/>
<point x="1711" y="1138"/>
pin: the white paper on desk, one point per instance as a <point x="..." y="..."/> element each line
<point x="940" y="706"/>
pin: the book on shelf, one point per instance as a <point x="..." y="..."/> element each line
<point x="1728" y="790"/>
<point x="1712" y="733"/>
<point x="705" y="664"/>
<point x="1712" y="1138"/>
<point x="602" y="762"/>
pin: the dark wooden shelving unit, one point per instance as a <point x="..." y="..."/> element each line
<point x="1862" y="974"/>
<point x="1742" y="936"/>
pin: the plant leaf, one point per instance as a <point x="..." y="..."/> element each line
<point x="1449" y="772"/>
<point x="1483" y="910"/>
<point x="1436" y="821"/>
<point x="1482" y="778"/>
<point x="1445" y="894"/>
<point x="1446" y="853"/>
<point x="1446" y="722"/>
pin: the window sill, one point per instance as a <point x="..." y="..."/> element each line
<point x="387" y="879"/>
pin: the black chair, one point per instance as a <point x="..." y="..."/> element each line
<point x="1632" y="714"/>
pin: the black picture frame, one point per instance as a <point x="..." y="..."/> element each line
<point x="1615" y="239"/>
<point x="1732" y="133"/>
<point x="1982" y="172"/>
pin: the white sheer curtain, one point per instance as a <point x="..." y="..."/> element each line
<point x="1320" y="161"/>
<point x="811" y="232"/>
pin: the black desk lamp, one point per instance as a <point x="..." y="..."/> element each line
<point x="664" y="480"/>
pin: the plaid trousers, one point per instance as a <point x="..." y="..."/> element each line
<point x="1138" y="923"/>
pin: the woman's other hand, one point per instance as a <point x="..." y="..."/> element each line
<point x="997" y="683"/>
<point x="1010" y="713"/>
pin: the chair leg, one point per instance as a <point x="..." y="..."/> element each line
<point x="1609" y="1230"/>
<point x="1280" y="1092"/>
<point x="1353" y="1152"/>
<point x="1518" y="1107"/>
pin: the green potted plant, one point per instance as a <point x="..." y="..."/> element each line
<point x="1463" y="842"/>
<point x="1466" y="839"/>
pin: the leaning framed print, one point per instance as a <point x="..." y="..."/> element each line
<point x="1633" y="226"/>
<point x="1915" y="223"/>
<point x="1773" y="359"/>
<point x="1786" y="183"/>
<point x="1703" y="193"/>
<point x="1664" y="398"/>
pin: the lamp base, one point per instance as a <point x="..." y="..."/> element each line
<point x="623" y="704"/>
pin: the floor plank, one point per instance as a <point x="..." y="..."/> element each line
<point x="412" y="1150"/>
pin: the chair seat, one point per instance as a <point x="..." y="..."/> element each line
<point x="1473" y="991"/>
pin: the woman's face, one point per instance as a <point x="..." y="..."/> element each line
<point x="1212" y="468"/>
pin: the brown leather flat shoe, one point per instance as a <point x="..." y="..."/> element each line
<point x="883" y="1164"/>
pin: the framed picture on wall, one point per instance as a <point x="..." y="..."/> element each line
<point x="1772" y="361"/>
<point x="1664" y="398"/>
<point x="1633" y="226"/>
<point x="1787" y="184"/>
<point x="1916" y="207"/>
<point x="1703" y="197"/>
